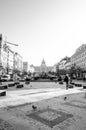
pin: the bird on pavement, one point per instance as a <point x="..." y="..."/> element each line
<point x="65" y="98"/>
<point x="34" y="107"/>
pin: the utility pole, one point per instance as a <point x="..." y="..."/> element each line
<point x="0" y="55"/>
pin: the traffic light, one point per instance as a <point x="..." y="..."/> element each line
<point x="0" y="40"/>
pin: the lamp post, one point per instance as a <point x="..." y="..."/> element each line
<point x="0" y="58"/>
<point x="0" y="50"/>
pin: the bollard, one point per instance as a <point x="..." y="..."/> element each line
<point x="11" y="84"/>
<point x="60" y="82"/>
<point x="27" y="82"/>
<point x="84" y="87"/>
<point x="17" y="83"/>
<point x="3" y="93"/>
<point x="3" y="86"/>
<point x="70" y="86"/>
<point x="20" y="86"/>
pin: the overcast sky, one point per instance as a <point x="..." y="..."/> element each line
<point x="49" y="29"/>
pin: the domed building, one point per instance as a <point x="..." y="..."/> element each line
<point x="43" y="68"/>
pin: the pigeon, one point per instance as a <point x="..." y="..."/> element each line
<point x="34" y="107"/>
<point x="65" y="98"/>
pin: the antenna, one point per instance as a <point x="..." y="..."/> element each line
<point x="11" y="43"/>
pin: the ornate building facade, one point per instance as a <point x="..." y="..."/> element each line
<point x="25" y="66"/>
<point x="43" y="68"/>
<point x="79" y="57"/>
<point x="9" y="60"/>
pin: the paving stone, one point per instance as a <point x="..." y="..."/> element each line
<point x="76" y="103"/>
<point x="50" y="117"/>
<point x="4" y="125"/>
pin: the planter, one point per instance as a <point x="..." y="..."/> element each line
<point x="3" y="93"/>
<point x="3" y="86"/>
<point x="20" y="86"/>
<point x="11" y="84"/>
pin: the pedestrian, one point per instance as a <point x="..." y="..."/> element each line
<point x="0" y="77"/>
<point x="66" y="79"/>
<point x="0" y="81"/>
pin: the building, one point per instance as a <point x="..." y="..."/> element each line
<point x="67" y="65"/>
<point x="9" y="60"/>
<point x="42" y="68"/>
<point x="4" y="56"/>
<point x="79" y="57"/>
<point x="31" y="69"/>
<point x="3" y="60"/>
<point x="54" y="68"/>
<point x="18" y="63"/>
<point x="62" y="64"/>
<point x="25" y="66"/>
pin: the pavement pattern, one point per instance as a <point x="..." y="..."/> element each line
<point x="55" y="108"/>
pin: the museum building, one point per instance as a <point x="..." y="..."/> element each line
<point x="43" y="68"/>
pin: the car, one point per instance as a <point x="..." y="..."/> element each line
<point x="5" y="78"/>
<point x="28" y="78"/>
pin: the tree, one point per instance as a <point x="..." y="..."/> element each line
<point x="75" y="71"/>
<point x="72" y="71"/>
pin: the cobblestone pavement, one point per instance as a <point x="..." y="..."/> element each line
<point x="61" y="112"/>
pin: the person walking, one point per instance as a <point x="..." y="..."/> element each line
<point x="66" y="80"/>
<point x="0" y="80"/>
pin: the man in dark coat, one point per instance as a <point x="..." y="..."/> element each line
<point x="66" y="80"/>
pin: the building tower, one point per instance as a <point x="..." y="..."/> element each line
<point x="43" y="67"/>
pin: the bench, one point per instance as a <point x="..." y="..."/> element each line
<point x="84" y="87"/>
<point x="70" y="86"/>
<point x="75" y="84"/>
<point x="78" y="85"/>
<point x="20" y="86"/>
<point x="72" y="83"/>
<point x="11" y="84"/>
<point x="3" y="87"/>
<point x="27" y="82"/>
<point x="60" y="82"/>
<point x="16" y="83"/>
<point x="2" y="93"/>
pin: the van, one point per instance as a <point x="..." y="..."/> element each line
<point x="5" y="78"/>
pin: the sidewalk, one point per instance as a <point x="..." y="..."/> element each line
<point x="79" y="81"/>
<point x="56" y="113"/>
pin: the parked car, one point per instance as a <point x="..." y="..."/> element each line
<point x="27" y="78"/>
<point x="5" y="78"/>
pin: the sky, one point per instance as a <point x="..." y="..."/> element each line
<point x="49" y="29"/>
